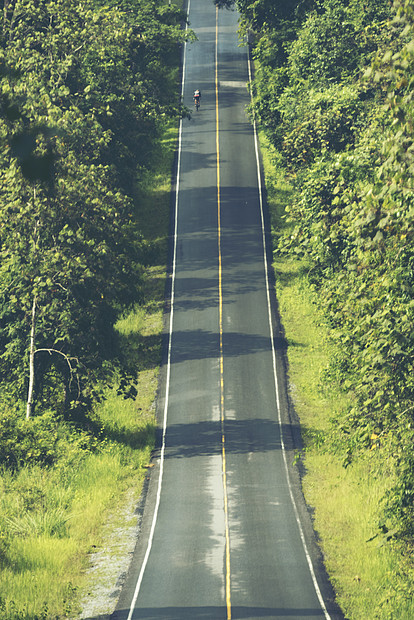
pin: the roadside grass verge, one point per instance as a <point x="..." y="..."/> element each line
<point x="54" y="518"/>
<point x="372" y="578"/>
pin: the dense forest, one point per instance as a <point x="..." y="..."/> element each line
<point x="333" y="91"/>
<point x="85" y="90"/>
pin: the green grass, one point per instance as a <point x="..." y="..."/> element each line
<point x="372" y="580"/>
<point x="54" y="517"/>
<point x="153" y="198"/>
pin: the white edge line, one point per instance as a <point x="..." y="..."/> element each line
<point x="295" y="508"/>
<point x="167" y="385"/>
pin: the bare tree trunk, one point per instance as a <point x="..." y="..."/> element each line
<point x="29" y="405"/>
<point x="31" y="362"/>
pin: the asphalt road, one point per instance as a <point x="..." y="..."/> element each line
<point x="225" y="532"/>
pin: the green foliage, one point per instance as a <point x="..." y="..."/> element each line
<point x="340" y="110"/>
<point x="320" y="122"/>
<point x="86" y="91"/>
<point x="334" y="41"/>
<point x="41" y="441"/>
<point x="264" y="15"/>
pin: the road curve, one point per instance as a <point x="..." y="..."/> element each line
<point x="225" y="532"/>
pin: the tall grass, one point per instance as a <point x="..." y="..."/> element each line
<point x="54" y="517"/>
<point x="37" y="579"/>
<point x="372" y="577"/>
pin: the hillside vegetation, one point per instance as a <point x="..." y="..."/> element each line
<point x="88" y="112"/>
<point x="333" y="94"/>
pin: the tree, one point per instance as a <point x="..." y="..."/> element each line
<point x="84" y="103"/>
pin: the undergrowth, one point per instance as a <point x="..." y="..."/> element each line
<point x="51" y="515"/>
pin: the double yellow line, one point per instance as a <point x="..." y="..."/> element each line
<point x="223" y="437"/>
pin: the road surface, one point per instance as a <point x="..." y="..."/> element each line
<point x="225" y="533"/>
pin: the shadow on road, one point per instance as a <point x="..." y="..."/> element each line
<point x="213" y="613"/>
<point x="199" y="344"/>
<point x="242" y="436"/>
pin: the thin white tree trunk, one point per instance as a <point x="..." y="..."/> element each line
<point x="29" y="404"/>
<point x="31" y="362"/>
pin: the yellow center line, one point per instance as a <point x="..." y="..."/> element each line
<point x="223" y="438"/>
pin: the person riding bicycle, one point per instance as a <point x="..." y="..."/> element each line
<point x="197" y="96"/>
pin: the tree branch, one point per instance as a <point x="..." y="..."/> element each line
<point x="66" y="358"/>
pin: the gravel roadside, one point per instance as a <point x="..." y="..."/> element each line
<point x="109" y="563"/>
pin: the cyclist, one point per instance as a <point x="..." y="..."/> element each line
<point x="197" y="97"/>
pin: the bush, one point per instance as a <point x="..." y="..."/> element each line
<point x="318" y="121"/>
<point x="44" y="440"/>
